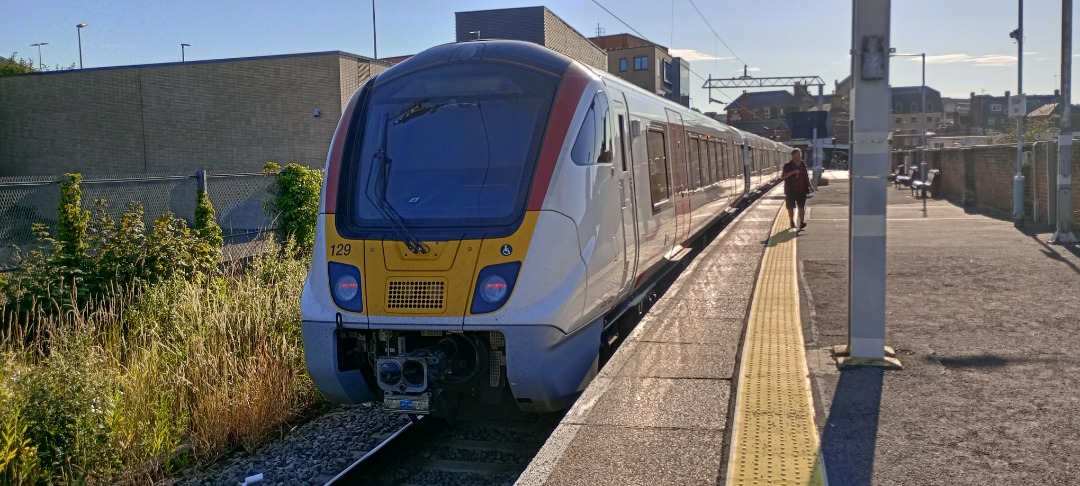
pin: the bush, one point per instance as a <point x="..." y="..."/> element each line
<point x="295" y="201"/>
<point x="91" y="257"/>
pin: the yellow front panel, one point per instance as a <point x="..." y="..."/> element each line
<point x="441" y="283"/>
<point x="491" y="251"/>
<point x="409" y="285"/>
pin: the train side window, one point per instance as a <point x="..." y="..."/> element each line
<point x="593" y="143"/>
<point x="622" y="140"/>
<point x="703" y="162"/>
<point x="695" y="172"/>
<point x="659" y="179"/>
<point x="714" y="160"/>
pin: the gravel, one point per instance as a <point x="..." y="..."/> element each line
<point x="311" y="453"/>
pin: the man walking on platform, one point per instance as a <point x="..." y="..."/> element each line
<point x="796" y="187"/>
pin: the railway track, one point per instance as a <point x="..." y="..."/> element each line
<point x="469" y="451"/>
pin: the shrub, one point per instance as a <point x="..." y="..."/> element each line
<point x="93" y="256"/>
<point x="205" y="223"/>
<point x="295" y="201"/>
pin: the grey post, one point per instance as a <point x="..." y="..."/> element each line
<point x="1018" y="179"/>
<point x="869" y="184"/>
<point x="1063" y="233"/>
<point x="200" y="180"/>
<point x="922" y="122"/>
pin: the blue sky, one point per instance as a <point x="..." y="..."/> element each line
<point x="966" y="41"/>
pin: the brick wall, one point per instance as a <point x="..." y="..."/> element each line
<point x="222" y="116"/>
<point x="982" y="176"/>
<point x="560" y="37"/>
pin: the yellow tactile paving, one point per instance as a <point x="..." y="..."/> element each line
<point x="774" y="440"/>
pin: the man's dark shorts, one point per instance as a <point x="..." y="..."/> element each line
<point x="792" y="199"/>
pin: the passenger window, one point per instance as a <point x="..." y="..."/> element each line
<point x="593" y="143"/>
<point x="659" y="178"/>
<point x="695" y="172"/>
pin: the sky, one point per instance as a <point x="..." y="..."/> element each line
<point x="966" y="42"/>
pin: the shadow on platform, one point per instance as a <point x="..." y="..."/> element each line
<point x="850" y="438"/>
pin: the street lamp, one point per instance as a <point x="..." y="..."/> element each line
<point x="182" y="46"/>
<point x="78" y="29"/>
<point x="922" y="129"/>
<point x="41" y="67"/>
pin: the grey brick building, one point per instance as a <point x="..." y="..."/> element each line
<point x="531" y="24"/>
<point x="228" y="115"/>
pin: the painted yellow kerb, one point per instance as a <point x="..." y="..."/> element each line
<point x="774" y="440"/>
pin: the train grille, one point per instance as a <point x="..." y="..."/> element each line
<point x="416" y="296"/>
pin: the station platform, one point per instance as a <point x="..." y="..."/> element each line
<point x="731" y="379"/>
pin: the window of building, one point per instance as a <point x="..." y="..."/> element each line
<point x="898" y="108"/>
<point x="641" y="63"/>
<point x="664" y="72"/>
<point x="656" y="146"/>
<point x="898" y="120"/>
<point x="995" y="107"/>
<point x="914" y="119"/>
<point x="930" y="119"/>
<point x="990" y="122"/>
<point x="622" y="65"/>
<point x="767" y="113"/>
<point x="914" y="107"/>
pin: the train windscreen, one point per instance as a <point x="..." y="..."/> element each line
<point x="452" y="146"/>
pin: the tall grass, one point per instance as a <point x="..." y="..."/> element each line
<point x="130" y="388"/>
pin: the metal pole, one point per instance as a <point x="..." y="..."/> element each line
<point x="922" y="122"/>
<point x="78" y="29"/>
<point x="1063" y="233"/>
<point x="869" y="175"/>
<point x="374" y="34"/>
<point x="1018" y="179"/>
<point x="817" y="143"/>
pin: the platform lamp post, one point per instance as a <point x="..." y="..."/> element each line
<point x="78" y="29"/>
<point x="922" y="128"/>
<point x="41" y="67"/>
<point x="183" y="58"/>
<point x="1018" y="179"/>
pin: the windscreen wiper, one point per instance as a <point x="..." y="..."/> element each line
<point x="397" y="223"/>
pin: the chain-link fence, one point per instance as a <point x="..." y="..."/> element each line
<point x="237" y="200"/>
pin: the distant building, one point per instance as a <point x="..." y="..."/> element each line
<point x="763" y="113"/>
<point x="225" y="115"/>
<point x="647" y="65"/>
<point x="955" y="116"/>
<point x="531" y="24"/>
<point x="910" y="117"/>
<point x="990" y="114"/>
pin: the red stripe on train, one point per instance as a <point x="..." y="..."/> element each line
<point x="566" y="102"/>
<point x="337" y="146"/>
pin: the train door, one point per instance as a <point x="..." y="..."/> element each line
<point x="624" y="173"/>
<point x="604" y="251"/>
<point x="679" y="172"/>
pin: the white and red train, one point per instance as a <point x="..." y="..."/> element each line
<point x="489" y="209"/>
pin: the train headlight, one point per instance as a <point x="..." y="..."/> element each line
<point x="494" y="285"/>
<point x="345" y="286"/>
<point x="493" y="289"/>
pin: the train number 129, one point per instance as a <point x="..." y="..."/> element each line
<point x="340" y="249"/>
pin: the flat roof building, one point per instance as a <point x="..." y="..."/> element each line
<point x="531" y="24"/>
<point x="226" y="115"/>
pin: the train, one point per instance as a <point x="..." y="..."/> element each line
<point x="489" y="209"/>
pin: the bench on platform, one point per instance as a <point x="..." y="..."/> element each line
<point x="904" y="179"/>
<point x="921" y="187"/>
